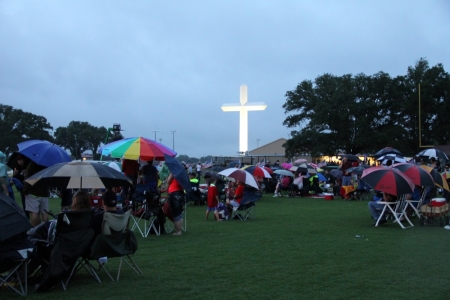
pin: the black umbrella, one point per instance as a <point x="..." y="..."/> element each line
<point x="336" y="173"/>
<point x="388" y="150"/>
<point x="356" y="170"/>
<point x="178" y="171"/>
<point x="79" y="175"/>
<point x="218" y="169"/>
<point x="233" y="164"/>
<point x="12" y="218"/>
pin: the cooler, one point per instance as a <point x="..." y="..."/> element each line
<point x="329" y="196"/>
<point x="438" y="202"/>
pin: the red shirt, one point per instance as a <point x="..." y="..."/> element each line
<point x="130" y="167"/>
<point x="212" y="194"/>
<point x="175" y="186"/>
<point x="239" y="193"/>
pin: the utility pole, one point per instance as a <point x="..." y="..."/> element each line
<point x="155" y="131"/>
<point x="173" y="139"/>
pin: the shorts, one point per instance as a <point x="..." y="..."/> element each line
<point x="234" y="203"/>
<point x="36" y="204"/>
<point x="211" y="208"/>
<point x="176" y="202"/>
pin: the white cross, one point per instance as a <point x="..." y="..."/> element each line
<point x="243" y="108"/>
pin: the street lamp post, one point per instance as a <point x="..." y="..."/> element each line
<point x="155" y="131"/>
<point x="173" y="139"/>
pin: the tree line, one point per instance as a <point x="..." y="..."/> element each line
<point x="17" y="126"/>
<point x="363" y="113"/>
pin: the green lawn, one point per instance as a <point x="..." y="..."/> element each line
<point x="296" y="248"/>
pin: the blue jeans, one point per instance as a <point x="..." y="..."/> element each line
<point x="346" y="180"/>
<point x="375" y="209"/>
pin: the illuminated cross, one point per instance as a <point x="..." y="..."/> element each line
<point x="243" y="108"/>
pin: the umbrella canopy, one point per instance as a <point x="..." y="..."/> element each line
<point x="233" y="164"/>
<point x="438" y="178"/>
<point x="356" y="170"/>
<point x="283" y="172"/>
<point x="394" y="158"/>
<point x="12" y="218"/>
<point x="79" y="175"/>
<point x="350" y="157"/>
<point x="337" y="173"/>
<point x="388" y="180"/>
<point x="212" y="175"/>
<point x="303" y="168"/>
<point x="135" y="148"/>
<point x="321" y="177"/>
<point x="286" y="165"/>
<point x="388" y="150"/>
<point x="269" y="170"/>
<point x="178" y="171"/>
<point x="417" y="175"/>
<point x="41" y="152"/>
<point x="240" y="175"/>
<point x="300" y="160"/>
<point x="446" y="174"/>
<point x="114" y="164"/>
<point x="257" y="171"/>
<point x="428" y="153"/>
<point x="218" y="169"/>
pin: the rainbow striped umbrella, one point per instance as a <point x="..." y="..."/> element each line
<point x="136" y="148"/>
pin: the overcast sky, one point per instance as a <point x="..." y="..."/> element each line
<point x="171" y="65"/>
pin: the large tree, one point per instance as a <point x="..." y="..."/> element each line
<point x="78" y="137"/>
<point x="17" y="126"/>
<point x="362" y="114"/>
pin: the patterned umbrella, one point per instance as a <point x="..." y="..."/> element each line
<point x="418" y="175"/>
<point x="136" y="148"/>
<point x="438" y="178"/>
<point x="388" y="180"/>
<point x="428" y="153"/>
<point x="394" y="158"/>
<point x="240" y="175"/>
<point x="257" y="171"/>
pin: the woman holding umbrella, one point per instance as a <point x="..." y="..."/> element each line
<point x="176" y="200"/>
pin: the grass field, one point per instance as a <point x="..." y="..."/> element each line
<point x="296" y="248"/>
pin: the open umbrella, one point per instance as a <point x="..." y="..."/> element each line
<point x="178" y="171"/>
<point x="438" y="178"/>
<point x="418" y="175"/>
<point x="428" y="153"/>
<point x="356" y="170"/>
<point x="337" y="173"/>
<point x="300" y="160"/>
<point x="240" y="175"/>
<point x="269" y="170"/>
<point x="135" y="148"/>
<point x="12" y="218"/>
<point x="286" y="165"/>
<point x="387" y="150"/>
<point x="114" y="164"/>
<point x="388" y="180"/>
<point x="257" y="171"/>
<point x="283" y="172"/>
<point x="446" y="174"/>
<point x="79" y="175"/>
<point x="394" y="158"/>
<point x="41" y="152"/>
<point x="218" y="169"/>
<point x="233" y="164"/>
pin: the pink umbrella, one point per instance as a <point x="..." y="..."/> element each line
<point x="286" y="166"/>
<point x="300" y="160"/>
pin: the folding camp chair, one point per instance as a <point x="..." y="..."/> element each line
<point x="115" y="241"/>
<point x="73" y="235"/>
<point x="168" y="227"/>
<point x="414" y="205"/>
<point x="247" y="208"/>
<point x="143" y="216"/>
<point x="395" y="210"/>
<point x="14" y="255"/>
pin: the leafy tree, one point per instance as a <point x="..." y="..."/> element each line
<point x="366" y="113"/>
<point x="79" y="137"/>
<point x="17" y="126"/>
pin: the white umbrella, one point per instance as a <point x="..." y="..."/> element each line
<point x="240" y="175"/>
<point x="428" y="153"/>
<point x="283" y="172"/>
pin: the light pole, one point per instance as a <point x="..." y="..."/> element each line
<point x="173" y="139"/>
<point x="257" y="143"/>
<point x="155" y="131"/>
<point x="160" y="140"/>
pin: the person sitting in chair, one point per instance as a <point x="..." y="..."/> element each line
<point x="282" y="185"/>
<point x="109" y="199"/>
<point x="375" y="208"/>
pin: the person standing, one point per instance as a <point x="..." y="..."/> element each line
<point x="176" y="200"/>
<point x="199" y="170"/>
<point x="36" y="199"/>
<point x="346" y="176"/>
<point x="131" y="169"/>
<point x="213" y="200"/>
<point x="19" y="174"/>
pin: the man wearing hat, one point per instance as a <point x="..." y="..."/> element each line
<point x="109" y="205"/>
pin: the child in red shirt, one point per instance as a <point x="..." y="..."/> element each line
<point x="213" y="200"/>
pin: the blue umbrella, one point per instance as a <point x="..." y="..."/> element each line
<point x="43" y="153"/>
<point x="321" y="177"/>
<point x="178" y="171"/>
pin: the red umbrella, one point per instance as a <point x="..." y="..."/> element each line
<point x="438" y="178"/>
<point x="269" y="170"/>
<point x="388" y="180"/>
<point x="257" y="171"/>
<point x="240" y="175"/>
<point x="417" y="175"/>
